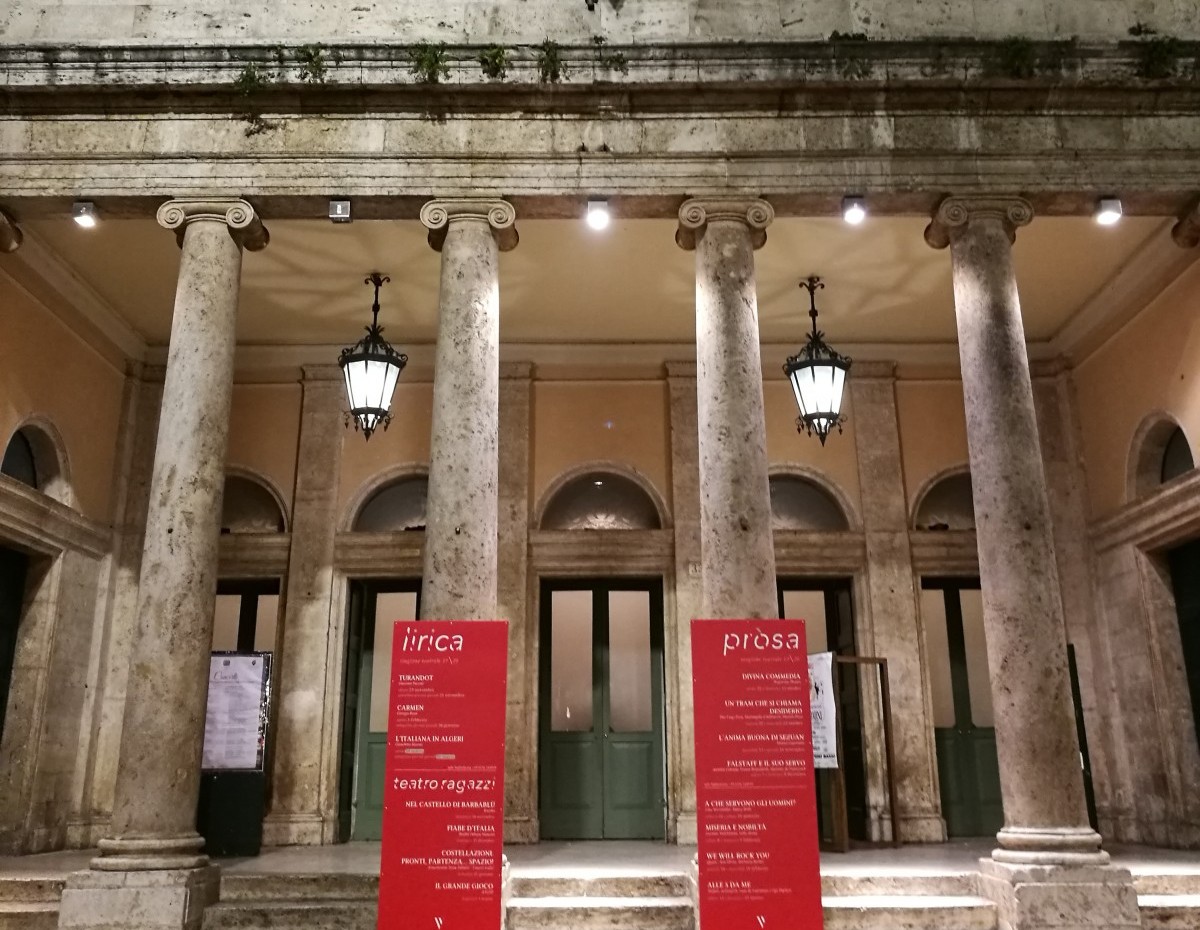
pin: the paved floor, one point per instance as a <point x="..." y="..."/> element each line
<point x="616" y="858"/>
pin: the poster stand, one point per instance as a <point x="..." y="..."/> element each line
<point x="841" y="817"/>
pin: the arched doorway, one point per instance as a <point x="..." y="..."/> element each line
<point x="19" y="464"/>
<point x="602" y="768"/>
<point x="395" y="508"/>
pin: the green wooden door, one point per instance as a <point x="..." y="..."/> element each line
<point x="374" y="607"/>
<point x="1185" y="579"/>
<point x="13" y="569"/>
<point x="968" y="767"/>
<point x="601" y="711"/>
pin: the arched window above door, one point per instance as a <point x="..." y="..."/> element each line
<point x="801" y="504"/>
<point x="248" y="506"/>
<point x="18" y="461"/>
<point x="947" y="504"/>
<point x="601" y="500"/>
<point x="395" y="507"/>
<point x="1177" y="458"/>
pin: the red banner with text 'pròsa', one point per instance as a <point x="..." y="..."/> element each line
<point x="755" y="788"/>
<point x="443" y="811"/>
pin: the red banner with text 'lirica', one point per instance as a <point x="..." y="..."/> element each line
<point x="443" y="812"/>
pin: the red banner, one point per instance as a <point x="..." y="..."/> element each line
<point x="755" y="787"/>
<point x="443" y="811"/>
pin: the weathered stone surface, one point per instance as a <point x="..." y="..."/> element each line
<point x="459" y="580"/>
<point x="892" y="603"/>
<point x="164" y="899"/>
<point x="296" y="814"/>
<point x="737" y="548"/>
<point x="159" y="776"/>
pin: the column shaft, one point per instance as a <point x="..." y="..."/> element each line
<point x="460" y="538"/>
<point x="158" y="779"/>
<point x="738" y="554"/>
<point x="1023" y="616"/>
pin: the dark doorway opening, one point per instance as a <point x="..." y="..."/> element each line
<point x="1184" y="563"/>
<point x="14" y="570"/>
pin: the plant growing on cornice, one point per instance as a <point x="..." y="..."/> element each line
<point x="430" y="63"/>
<point x="551" y="67"/>
<point x="1157" y="56"/>
<point x="313" y="64"/>
<point x="850" y="64"/>
<point x="251" y="81"/>
<point x="494" y="62"/>
<point x="608" y="60"/>
<point x="1016" y="57"/>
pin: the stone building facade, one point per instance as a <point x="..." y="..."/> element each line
<point x="724" y="137"/>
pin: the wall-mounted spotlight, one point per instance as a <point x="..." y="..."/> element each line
<point x="598" y="216"/>
<point x="339" y="211"/>
<point x="854" y="210"/>
<point x="1109" y="211"/>
<point x="83" y="212"/>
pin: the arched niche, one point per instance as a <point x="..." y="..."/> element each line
<point x="35" y="455"/>
<point x="601" y="498"/>
<point x="947" y="503"/>
<point x="802" y="503"/>
<point x="395" y="507"/>
<point x="250" y="505"/>
<point x="1160" y="452"/>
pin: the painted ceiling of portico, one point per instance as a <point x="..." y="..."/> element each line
<point x="568" y="284"/>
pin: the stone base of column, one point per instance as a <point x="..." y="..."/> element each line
<point x="158" y="899"/>
<point x="922" y="827"/>
<point x="1061" y="897"/>
<point x="295" y="830"/>
<point x="686" y="831"/>
<point x="521" y="830"/>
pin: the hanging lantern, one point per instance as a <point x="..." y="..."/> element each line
<point x="371" y="368"/>
<point x="818" y="376"/>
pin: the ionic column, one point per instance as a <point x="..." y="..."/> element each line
<point x="737" y="549"/>
<point x="460" y="536"/>
<point x="1049" y="870"/>
<point x="299" y="814"/>
<point x="158" y="778"/>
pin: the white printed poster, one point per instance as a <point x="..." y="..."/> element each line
<point x="824" y="710"/>
<point x="235" y="725"/>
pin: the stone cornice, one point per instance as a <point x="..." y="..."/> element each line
<point x="575" y="552"/>
<point x="695" y="215"/>
<point x="32" y="519"/>
<point x="243" y="221"/>
<point x="1165" y="518"/>
<point x="438" y="215"/>
<point x="253" y="555"/>
<point x="956" y="213"/>
<point x="951" y="552"/>
<point x="380" y="555"/>
<point x="819" y="553"/>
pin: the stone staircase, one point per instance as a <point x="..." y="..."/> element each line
<point x="905" y="902"/>
<point x="29" y="902"/>
<point x="294" y="901"/>
<point x="1168" y="901"/>
<point x="615" y="902"/>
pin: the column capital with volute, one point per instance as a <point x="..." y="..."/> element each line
<point x="11" y="236"/>
<point x="955" y="213"/>
<point x="239" y="215"/>
<point x="695" y="215"/>
<point x="500" y="215"/>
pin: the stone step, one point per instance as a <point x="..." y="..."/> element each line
<point x="37" y="888"/>
<point x="860" y="885"/>
<point x="329" y="914"/>
<point x="1160" y="883"/>
<point x="909" y="912"/>
<point x="1169" y="911"/>
<point x="298" y="886"/>
<point x="601" y="886"/>
<point x="589" y="913"/>
<point x="29" y="915"/>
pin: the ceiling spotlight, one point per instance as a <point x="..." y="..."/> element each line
<point x="339" y="211"/>
<point x="83" y="212"/>
<point x="1109" y="212"/>
<point x="598" y="216"/>
<point x="854" y="210"/>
